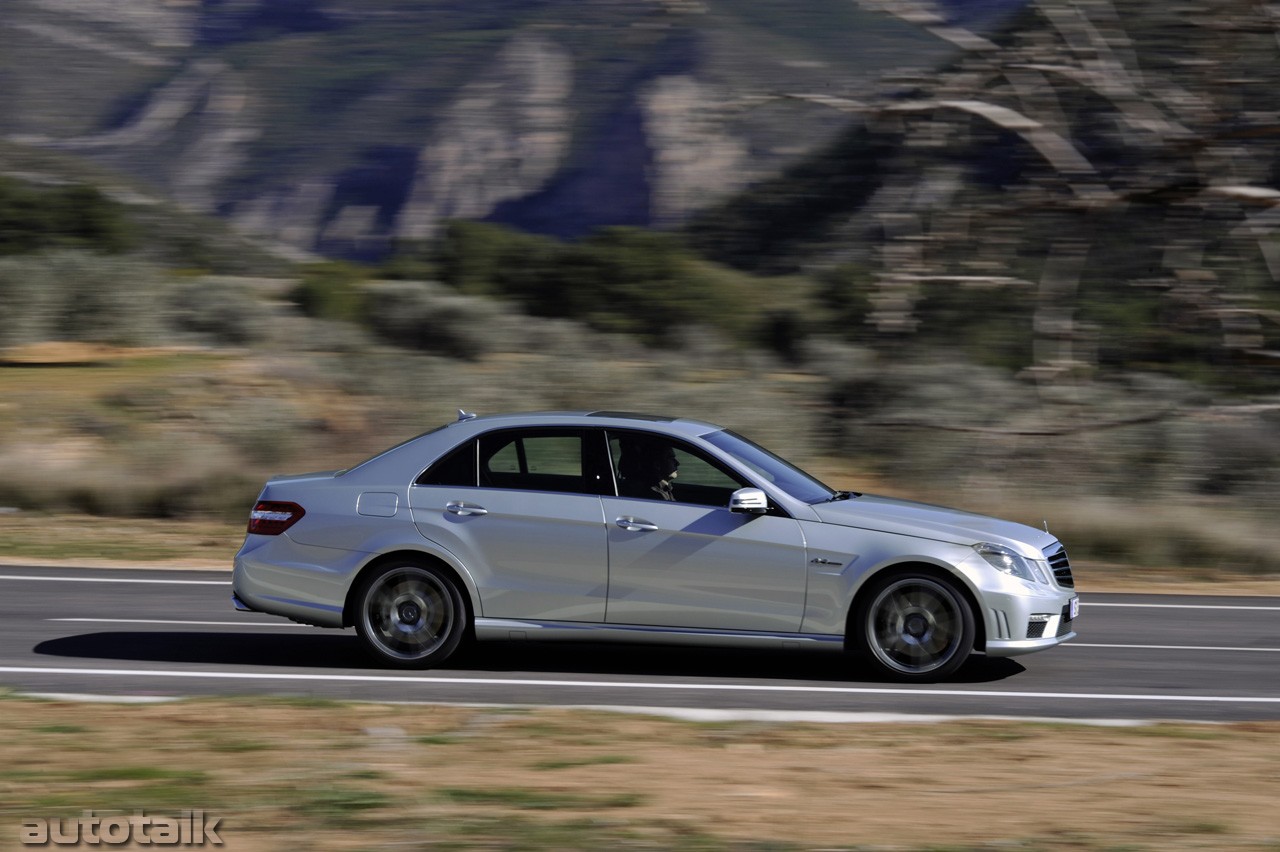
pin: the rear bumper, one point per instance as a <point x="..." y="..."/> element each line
<point x="273" y="575"/>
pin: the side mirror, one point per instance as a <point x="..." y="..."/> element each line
<point x="750" y="500"/>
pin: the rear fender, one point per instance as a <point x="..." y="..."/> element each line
<point x="423" y="549"/>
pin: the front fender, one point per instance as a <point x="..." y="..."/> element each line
<point x="842" y="560"/>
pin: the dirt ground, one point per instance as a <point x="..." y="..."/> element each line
<point x="316" y="775"/>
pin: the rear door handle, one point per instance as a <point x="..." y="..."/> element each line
<point x="636" y="525"/>
<point x="457" y="507"/>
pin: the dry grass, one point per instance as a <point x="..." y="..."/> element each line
<point x="1201" y="540"/>
<point x="27" y="538"/>
<point x="324" y="776"/>
<point x="70" y="353"/>
<point x="165" y="433"/>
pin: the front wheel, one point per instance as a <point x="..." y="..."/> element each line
<point x="914" y="627"/>
<point x="411" y="615"/>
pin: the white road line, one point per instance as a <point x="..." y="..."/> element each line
<point x="821" y="717"/>
<point x="118" y="580"/>
<point x="1181" y="606"/>
<point x="1166" y="647"/>
<point x="168" y="621"/>
<point x="89" y="698"/>
<point x="606" y="684"/>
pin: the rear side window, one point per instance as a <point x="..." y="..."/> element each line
<point x="533" y="461"/>
<point x="457" y="468"/>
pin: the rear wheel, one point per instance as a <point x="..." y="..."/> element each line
<point x="411" y="615"/>
<point x="914" y="626"/>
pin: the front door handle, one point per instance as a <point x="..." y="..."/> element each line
<point x="636" y="525"/>
<point x="457" y="507"/>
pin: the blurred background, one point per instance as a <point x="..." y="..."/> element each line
<point x="1023" y="257"/>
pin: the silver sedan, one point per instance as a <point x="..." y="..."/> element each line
<point x="608" y="526"/>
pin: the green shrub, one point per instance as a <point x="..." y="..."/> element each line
<point x="38" y="218"/>
<point x="618" y="280"/>
<point x="409" y="262"/>
<point x="331" y="290"/>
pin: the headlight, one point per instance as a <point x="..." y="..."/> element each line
<point x="1013" y="563"/>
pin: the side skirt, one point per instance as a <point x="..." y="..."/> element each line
<point x="509" y="629"/>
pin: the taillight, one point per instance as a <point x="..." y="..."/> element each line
<point x="270" y="517"/>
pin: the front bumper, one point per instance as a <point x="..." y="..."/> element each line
<point x="1021" y="624"/>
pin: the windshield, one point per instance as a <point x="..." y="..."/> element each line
<point x="779" y="472"/>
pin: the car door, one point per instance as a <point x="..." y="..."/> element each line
<point x="682" y="559"/>
<point x="521" y="512"/>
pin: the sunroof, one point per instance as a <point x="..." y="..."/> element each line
<point x="631" y="415"/>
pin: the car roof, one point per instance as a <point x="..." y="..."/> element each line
<point x="425" y="448"/>
<point x="617" y="419"/>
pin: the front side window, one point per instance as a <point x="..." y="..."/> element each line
<point x="654" y="467"/>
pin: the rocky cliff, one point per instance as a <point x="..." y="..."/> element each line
<point x="344" y="126"/>
<point x="502" y="138"/>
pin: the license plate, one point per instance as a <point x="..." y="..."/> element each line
<point x="1075" y="607"/>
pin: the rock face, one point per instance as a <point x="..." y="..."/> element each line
<point x="327" y="126"/>
<point x="290" y="219"/>
<point x="218" y="147"/>
<point x="159" y="23"/>
<point x="200" y="113"/>
<point x="503" y="138"/>
<point x="696" y="160"/>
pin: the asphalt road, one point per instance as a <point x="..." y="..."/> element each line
<point x="162" y="633"/>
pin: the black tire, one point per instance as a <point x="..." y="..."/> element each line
<point x="913" y="626"/>
<point x="411" y="615"/>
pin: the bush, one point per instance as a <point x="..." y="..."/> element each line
<point x="428" y="318"/>
<point x="35" y="219"/>
<point x="168" y="477"/>
<point x="219" y="311"/>
<point x="620" y="280"/>
<point x="331" y="291"/>
<point x="481" y="259"/>
<point x="410" y="260"/>
<point x="78" y="296"/>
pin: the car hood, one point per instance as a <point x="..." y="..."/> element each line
<point x="887" y="514"/>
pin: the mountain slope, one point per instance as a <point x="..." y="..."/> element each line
<point x="1111" y="167"/>
<point x="342" y="126"/>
